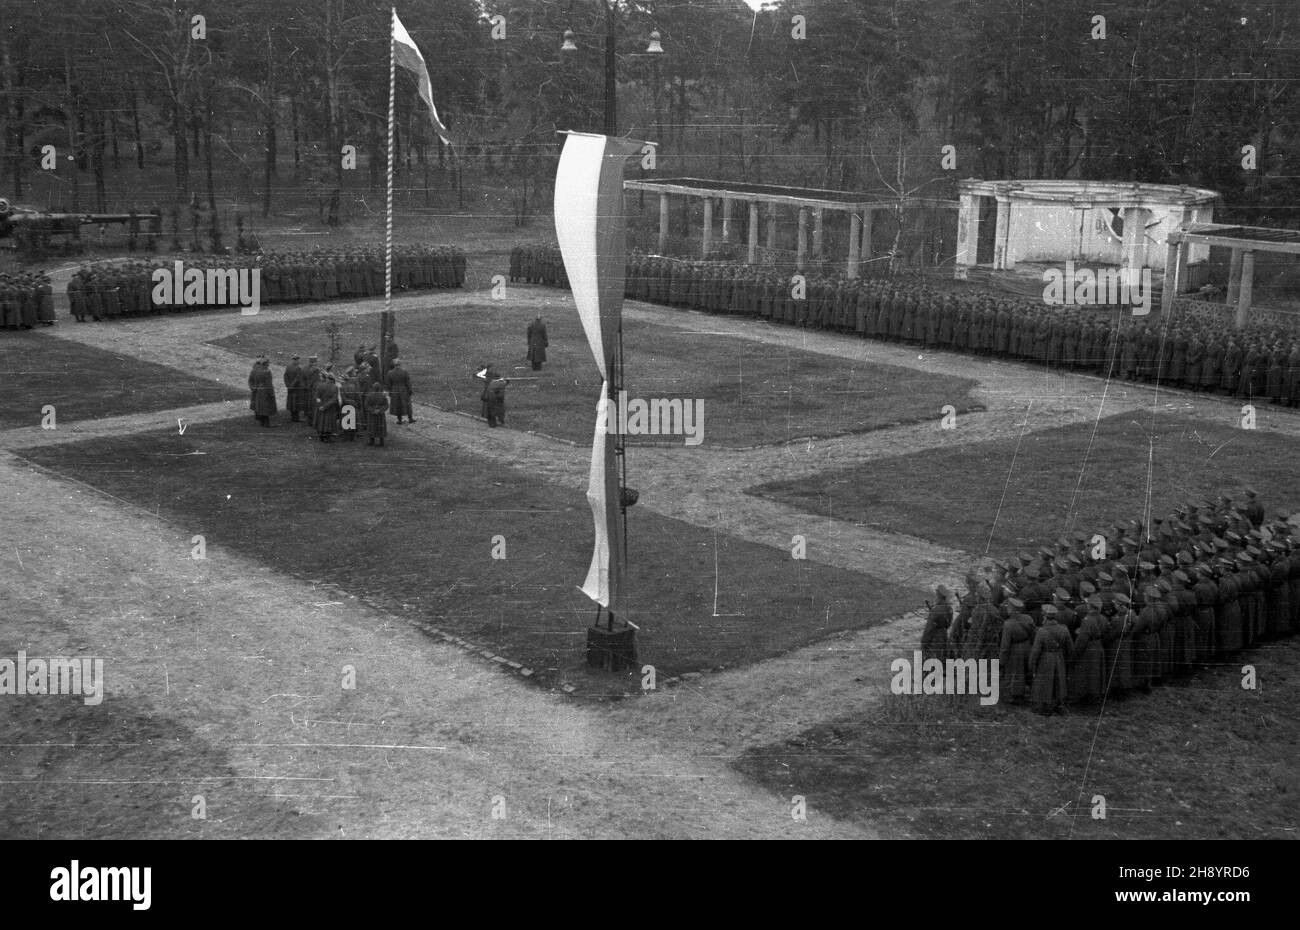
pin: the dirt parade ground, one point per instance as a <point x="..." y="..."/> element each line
<point x="349" y="659"/>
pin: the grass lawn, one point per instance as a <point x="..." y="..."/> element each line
<point x="59" y="752"/>
<point x="754" y="394"/>
<point x="84" y="383"/>
<point x="1184" y="762"/>
<point x="411" y="528"/>
<point x="955" y="496"/>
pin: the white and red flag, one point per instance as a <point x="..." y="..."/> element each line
<point x="408" y="56"/>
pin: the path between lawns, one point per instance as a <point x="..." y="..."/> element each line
<point x="246" y="663"/>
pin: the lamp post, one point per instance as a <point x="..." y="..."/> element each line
<point x="654" y="48"/>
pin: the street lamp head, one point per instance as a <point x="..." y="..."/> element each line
<point x="569" y="45"/>
<point x="654" y="48"/>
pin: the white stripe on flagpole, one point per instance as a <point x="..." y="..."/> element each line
<point x="388" y="221"/>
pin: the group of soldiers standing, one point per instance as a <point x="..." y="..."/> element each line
<point x="1198" y="350"/>
<point x="337" y="405"/>
<point x="25" y="300"/>
<point x="1208" y="581"/>
<point x="112" y="290"/>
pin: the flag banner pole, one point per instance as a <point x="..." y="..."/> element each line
<point x="591" y="229"/>
<point x="386" y="320"/>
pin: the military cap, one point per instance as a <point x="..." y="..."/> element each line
<point x="1220" y="543"/>
<point x="1244" y="557"/>
<point x="1032" y="571"/>
<point x="1094" y="601"/>
<point x="1146" y="566"/>
<point x="1232" y="537"/>
<point x="1046" y="553"/>
<point x="1015" y="603"/>
<point x="1086" y="588"/>
<point x="1166" y="560"/>
<point x="1119" y="568"/>
<point x="1181" y="577"/>
<point x="1121" y="598"/>
<point x="1048" y="610"/>
<point x="1152" y="593"/>
<point x="1251" y="493"/>
<point x="1061" y="594"/>
<point x="1026" y="558"/>
<point x="1073" y="559"/>
<point x="1105" y="577"/>
<point x="1165" y="585"/>
<point x="1061" y="564"/>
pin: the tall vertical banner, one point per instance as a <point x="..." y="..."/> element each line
<point x="592" y="231"/>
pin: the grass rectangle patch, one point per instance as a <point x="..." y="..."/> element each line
<point x="413" y="528"/>
<point x="753" y="393"/>
<point x="85" y="383"/>
<point x="1008" y="494"/>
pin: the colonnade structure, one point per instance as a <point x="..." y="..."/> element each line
<point x="812" y="205"/>
<point x="1243" y="241"/>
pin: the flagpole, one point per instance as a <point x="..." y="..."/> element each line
<point x="386" y="320"/>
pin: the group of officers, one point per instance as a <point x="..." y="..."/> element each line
<point x="1198" y="350"/>
<point x="337" y="405"/>
<point x="26" y="299"/>
<point x="1206" y="582"/>
<point x="112" y="290"/>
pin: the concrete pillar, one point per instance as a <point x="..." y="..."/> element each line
<point x="819" y="233"/>
<point x="1247" y="287"/>
<point x="726" y="219"/>
<point x="663" y="224"/>
<point x="706" y="238"/>
<point x="1134" y="247"/>
<point x="1234" y="277"/>
<point x="1000" y="231"/>
<point x="968" y="235"/>
<point x="802" y="255"/>
<point x="868" y="219"/>
<point x="1175" y="271"/>
<point x="771" y="226"/>
<point x="753" y="232"/>
<point x="855" y="249"/>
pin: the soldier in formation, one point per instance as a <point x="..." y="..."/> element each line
<point x="107" y="291"/>
<point x="1198" y="350"/>
<point x="261" y="387"/>
<point x="1205" y="582"/>
<point x="26" y="300"/>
